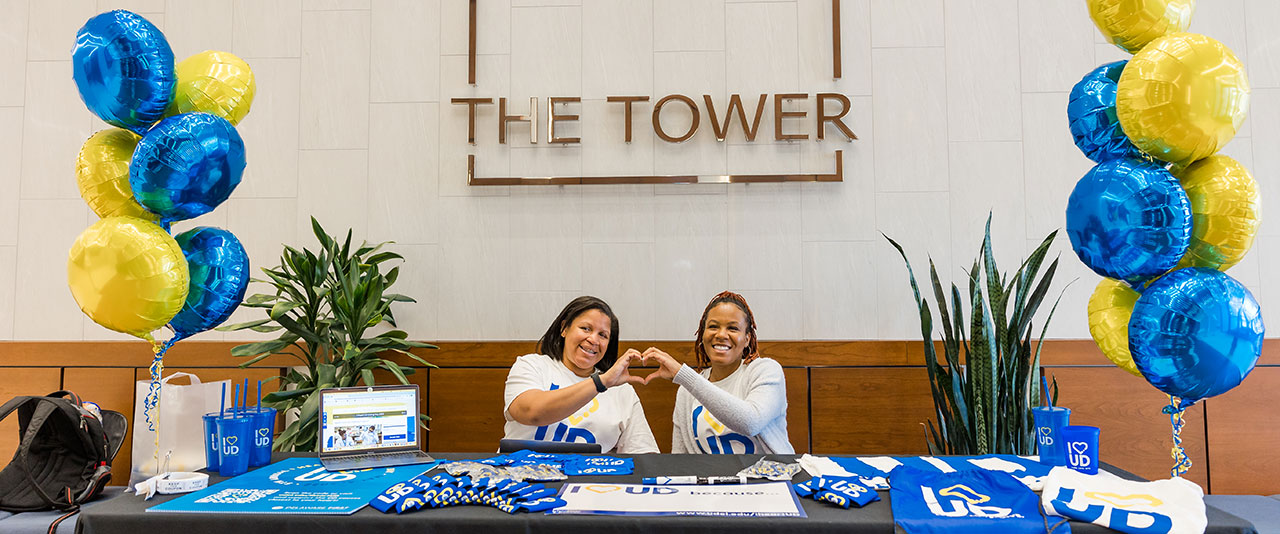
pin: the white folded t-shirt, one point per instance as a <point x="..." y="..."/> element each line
<point x="1173" y="506"/>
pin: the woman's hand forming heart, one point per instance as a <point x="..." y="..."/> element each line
<point x="667" y="366"/>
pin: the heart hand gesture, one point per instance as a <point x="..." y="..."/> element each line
<point x="620" y="373"/>
<point x="667" y="366"/>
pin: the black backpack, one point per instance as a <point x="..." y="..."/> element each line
<point x="64" y="454"/>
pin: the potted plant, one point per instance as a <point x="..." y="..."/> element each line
<point x="327" y="306"/>
<point x="984" y="394"/>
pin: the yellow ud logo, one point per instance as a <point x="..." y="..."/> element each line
<point x="963" y="501"/>
<point x="578" y="418"/>
<point x="964" y="492"/>
<point x="716" y="426"/>
<point x="1124" y="501"/>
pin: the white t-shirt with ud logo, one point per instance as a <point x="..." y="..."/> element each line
<point x="614" y="419"/>
<point x="745" y="413"/>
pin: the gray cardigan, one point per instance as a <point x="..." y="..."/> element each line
<point x="761" y="414"/>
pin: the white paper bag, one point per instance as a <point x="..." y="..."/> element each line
<point x="178" y="421"/>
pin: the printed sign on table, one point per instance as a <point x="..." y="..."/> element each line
<point x="772" y="499"/>
<point x="293" y="486"/>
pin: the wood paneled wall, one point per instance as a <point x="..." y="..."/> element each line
<point x="854" y="397"/>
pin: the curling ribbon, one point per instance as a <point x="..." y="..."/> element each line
<point x="153" y="393"/>
<point x="1182" y="462"/>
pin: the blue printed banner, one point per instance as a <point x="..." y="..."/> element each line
<point x="294" y="486"/>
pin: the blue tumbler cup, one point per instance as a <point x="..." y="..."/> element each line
<point x="211" y="453"/>
<point x="234" y="431"/>
<point x="1049" y="421"/>
<point x="264" y="428"/>
<point x="1081" y="445"/>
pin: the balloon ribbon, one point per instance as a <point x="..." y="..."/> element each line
<point x="1182" y="462"/>
<point x="157" y="366"/>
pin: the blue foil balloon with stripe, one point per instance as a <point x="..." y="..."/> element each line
<point x="123" y="68"/>
<point x="187" y="165"/>
<point x="1129" y="219"/>
<point x="219" y="268"/>
<point x="1091" y="114"/>
<point x="1196" y="333"/>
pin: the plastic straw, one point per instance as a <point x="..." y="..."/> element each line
<point x="1044" y="382"/>
<point x="259" y="405"/>
<point x="245" y="405"/>
<point x="223" y="407"/>
<point x="235" y="399"/>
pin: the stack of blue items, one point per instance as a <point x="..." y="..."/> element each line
<point x="442" y="489"/>
<point x="569" y="464"/>
<point x="840" y="491"/>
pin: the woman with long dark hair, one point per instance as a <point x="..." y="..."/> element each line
<point x="737" y="403"/>
<point x="576" y="388"/>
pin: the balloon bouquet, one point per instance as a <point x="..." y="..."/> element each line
<point x="1161" y="216"/>
<point x="174" y="155"/>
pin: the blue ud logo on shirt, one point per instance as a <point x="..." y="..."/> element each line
<point x="963" y="502"/>
<point x="570" y="433"/>
<point x="1115" y="515"/>
<point x="717" y="438"/>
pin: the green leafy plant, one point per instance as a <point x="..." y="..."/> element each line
<point x="327" y="306"/>
<point x="984" y="394"/>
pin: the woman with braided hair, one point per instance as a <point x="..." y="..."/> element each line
<point x="737" y="402"/>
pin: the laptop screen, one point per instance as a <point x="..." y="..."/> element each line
<point x="364" y="419"/>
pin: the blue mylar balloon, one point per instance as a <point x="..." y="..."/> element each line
<point x="187" y="165"/>
<point x="219" y="270"/>
<point x="1091" y="113"/>
<point x="1129" y="219"/>
<point x="1195" y="333"/>
<point x="123" y="68"/>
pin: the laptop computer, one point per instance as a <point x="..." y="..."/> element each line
<point x="369" y="426"/>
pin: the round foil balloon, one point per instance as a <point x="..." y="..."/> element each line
<point x="1182" y="97"/>
<point x="214" y="82"/>
<point x="102" y="174"/>
<point x="123" y="68"/>
<point x="187" y="165"/>
<point x="1109" y="311"/>
<point x="1131" y="24"/>
<point x="1225" y="212"/>
<point x="127" y="274"/>
<point x="1091" y="113"/>
<point x="1195" y="333"/>
<point x="219" y="270"/>
<point x="1129" y="220"/>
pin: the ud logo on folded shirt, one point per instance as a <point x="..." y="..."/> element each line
<point x="1172" y="506"/>
<point x="976" y="501"/>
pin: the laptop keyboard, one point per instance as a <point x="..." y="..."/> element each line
<point x="375" y="460"/>
<point x="388" y="456"/>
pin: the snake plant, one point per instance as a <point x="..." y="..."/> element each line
<point x="984" y="393"/>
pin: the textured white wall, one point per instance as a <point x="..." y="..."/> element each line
<point x="960" y="106"/>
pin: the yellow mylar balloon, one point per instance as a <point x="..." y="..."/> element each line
<point x="1182" y="97"/>
<point x="213" y="82"/>
<point x="1131" y="24"/>
<point x="102" y="173"/>
<point x="1109" y="310"/>
<point x="128" y="275"/>
<point x="1225" y="212"/>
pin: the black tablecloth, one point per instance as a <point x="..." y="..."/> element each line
<point x="127" y="515"/>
